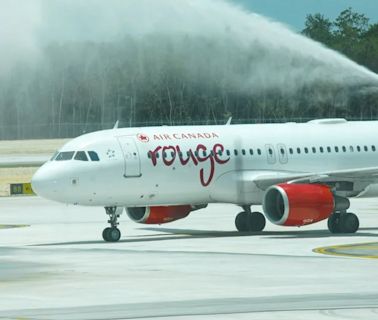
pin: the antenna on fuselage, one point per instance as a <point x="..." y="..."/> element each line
<point x="116" y="125"/>
<point x="228" y="121"/>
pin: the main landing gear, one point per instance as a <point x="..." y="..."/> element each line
<point x="343" y="222"/>
<point x="248" y="221"/>
<point x="112" y="233"/>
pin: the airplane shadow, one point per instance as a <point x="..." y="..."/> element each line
<point x="184" y="234"/>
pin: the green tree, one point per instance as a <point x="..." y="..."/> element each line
<point x="319" y="28"/>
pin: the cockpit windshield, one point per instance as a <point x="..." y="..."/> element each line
<point x="63" y="156"/>
<point x="81" y="155"/>
<point x="76" y="155"/>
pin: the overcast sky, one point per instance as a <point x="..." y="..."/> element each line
<point x="293" y="12"/>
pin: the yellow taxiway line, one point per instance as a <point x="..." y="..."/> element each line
<point x="365" y="250"/>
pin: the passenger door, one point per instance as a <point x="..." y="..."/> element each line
<point x="270" y="153"/>
<point x="131" y="157"/>
<point x="282" y="153"/>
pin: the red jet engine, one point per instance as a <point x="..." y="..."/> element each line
<point x="298" y="204"/>
<point x="158" y="215"/>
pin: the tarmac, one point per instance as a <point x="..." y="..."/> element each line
<point x="55" y="265"/>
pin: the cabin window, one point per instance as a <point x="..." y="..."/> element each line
<point x="228" y="152"/>
<point x="373" y="148"/>
<point x="337" y="149"/>
<point x="243" y="152"/>
<point x="270" y="151"/>
<point x="321" y="149"/>
<point x="298" y="150"/>
<point x="313" y="150"/>
<point x="164" y="155"/>
<point x="366" y="148"/>
<point x="329" y="149"/>
<point x="282" y="150"/>
<point x="235" y="152"/>
<point x="196" y="153"/>
<point x="351" y="149"/>
<point x="291" y="150"/>
<point x="149" y="154"/>
<point x="81" y="156"/>
<point x="204" y="153"/>
<point x="64" y="156"/>
<point x="94" y="156"/>
<point x="172" y="154"/>
<point x="259" y="152"/>
<point x="306" y="150"/>
<point x="344" y="149"/>
<point x="358" y="148"/>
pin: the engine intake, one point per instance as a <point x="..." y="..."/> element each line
<point x="158" y="215"/>
<point x="300" y="204"/>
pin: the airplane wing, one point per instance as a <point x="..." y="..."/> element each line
<point x="365" y="176"/>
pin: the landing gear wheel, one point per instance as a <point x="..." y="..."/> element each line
<point x="241" y="222"/>
<point x="349" y="223"/>
<point x="333" y="223"/>
<point x="250" y="222"/>
<point x="343" y="223"/>
<point x="111" y="234"/>
<point x="105" y="233"/>
<point x="259" y="221"/>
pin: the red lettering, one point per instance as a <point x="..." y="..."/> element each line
<point x="189" y="154"/>
<point x="200" y="158"/>
<point x="200" y="155"/>
<point x="216" y="154"/>
<point x="171" y="154"/>
<point x="153" y="155"/>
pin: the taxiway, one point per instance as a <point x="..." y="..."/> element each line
<point x="56" y="266"/>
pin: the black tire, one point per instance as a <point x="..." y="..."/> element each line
<point x="105" y="234"/>
<point x="241" y="222"/>
<point x="114" y="234"/>
<point x="349" y="223"/>
<point x="334" y="223"/>
<point x="258" y="222"/>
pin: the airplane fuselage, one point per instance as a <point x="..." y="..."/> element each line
<point x="203" y="164"/>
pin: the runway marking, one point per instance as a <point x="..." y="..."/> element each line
<point x="367" y="250"/>
<point x="12" y="226"/>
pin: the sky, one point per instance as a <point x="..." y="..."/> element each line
<point x="293" y="12"/>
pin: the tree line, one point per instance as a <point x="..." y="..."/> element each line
<point x="85" y="86"/>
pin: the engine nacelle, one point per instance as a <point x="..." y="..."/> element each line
<point x="299" y="204"/>
<point x="158" y="215"/>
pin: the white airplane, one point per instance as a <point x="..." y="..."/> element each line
<point x="301" y="173"/>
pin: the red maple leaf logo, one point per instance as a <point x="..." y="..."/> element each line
<point x="143" y="137"/>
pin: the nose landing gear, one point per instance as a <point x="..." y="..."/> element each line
<point x="112" y="233"/>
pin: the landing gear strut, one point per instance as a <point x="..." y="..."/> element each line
<point x="112" y="233"/>
<point x="248" y="221"/>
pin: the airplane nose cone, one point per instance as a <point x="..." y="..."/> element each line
<point x="42" y="183"/>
